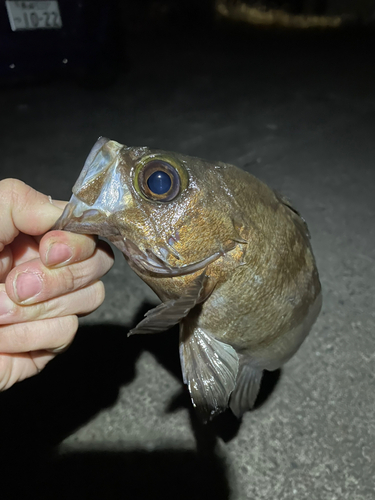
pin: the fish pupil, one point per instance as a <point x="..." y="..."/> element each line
<point x="159" y="182"/>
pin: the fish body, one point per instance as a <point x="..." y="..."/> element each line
<point x="229" y="258"/>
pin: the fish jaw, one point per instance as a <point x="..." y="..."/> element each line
<point x="78" y="217"/>
<point x="103" y="159"/>
<point x="99" y="193"/>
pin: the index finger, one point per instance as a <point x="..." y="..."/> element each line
<point x="23" y="209"/>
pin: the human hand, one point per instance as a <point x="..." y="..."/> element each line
<point x="45" y="281"/>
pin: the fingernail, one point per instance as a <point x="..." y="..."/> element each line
<point x="27" y="285"/>
<point x="6" y="305"/>
<point x="58" y="253"/>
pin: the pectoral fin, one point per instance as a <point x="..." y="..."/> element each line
<point x="247" y="388"/>
<point x="168" y="314"/>
<point x="209" y="369"/>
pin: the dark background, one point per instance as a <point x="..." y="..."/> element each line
<point x="295" y="107"/>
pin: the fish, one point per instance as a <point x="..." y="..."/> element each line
<point x="229" y="258"/>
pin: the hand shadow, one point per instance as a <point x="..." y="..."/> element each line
<point x="39" y="413"/>
<point x="74" y="387"/>
<point x="109" y="474"/>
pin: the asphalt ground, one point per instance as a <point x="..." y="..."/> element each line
<point x="110" y="417"/>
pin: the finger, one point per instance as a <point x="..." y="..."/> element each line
<point x="24" y="248"/>
<point x="80" y="302"/>
<point x="17" y="367"/>
<point x="32" y="282"/>
<point x="22" y="209"/>
<point x="59" y="203"/>
<point x="49" y="334"/>
<point x="58" y="248"/>
<point x="6" y="262"/>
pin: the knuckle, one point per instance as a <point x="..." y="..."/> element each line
<point x="69" y="326"/>
<point x="15" y="193"/>
<point x="83" y="273"/>
<point x="108" y="256"/>
<point x="100" y="292"/>
<point x="8" y="190"/>
<point x="11" y="191"/>
<point x="102" y="264"/>
<point x="10" y="187"/>
<point x="22" y="196"/>
<point x="97" y="295"/>
<point x="68" y="279"/>
<point x="37" y="311"/>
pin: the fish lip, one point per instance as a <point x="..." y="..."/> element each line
<point x="104" y="148"/>
<point x="150" y="264"/>
<point x="68" y="219"/>
<point x="91" y="157"/>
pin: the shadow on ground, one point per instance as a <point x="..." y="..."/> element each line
<point x="36" y="415"/>
<point x="167" y="474"/>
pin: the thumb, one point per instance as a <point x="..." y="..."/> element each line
<point x="23" y="209"/>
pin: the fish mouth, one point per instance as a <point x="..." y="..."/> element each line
<point x="98" y="193"/>
<point x="80" y="218"/>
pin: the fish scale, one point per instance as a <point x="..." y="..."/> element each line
<point x="230" y="259"/>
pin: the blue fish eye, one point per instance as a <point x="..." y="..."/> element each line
<point x="159" y="182"/>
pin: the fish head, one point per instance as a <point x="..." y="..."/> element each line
<point x="168" y="213"/>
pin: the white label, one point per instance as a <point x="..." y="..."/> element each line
<point x="33" y="15"/>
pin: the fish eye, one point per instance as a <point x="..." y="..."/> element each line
<point x="159" y="180"/>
